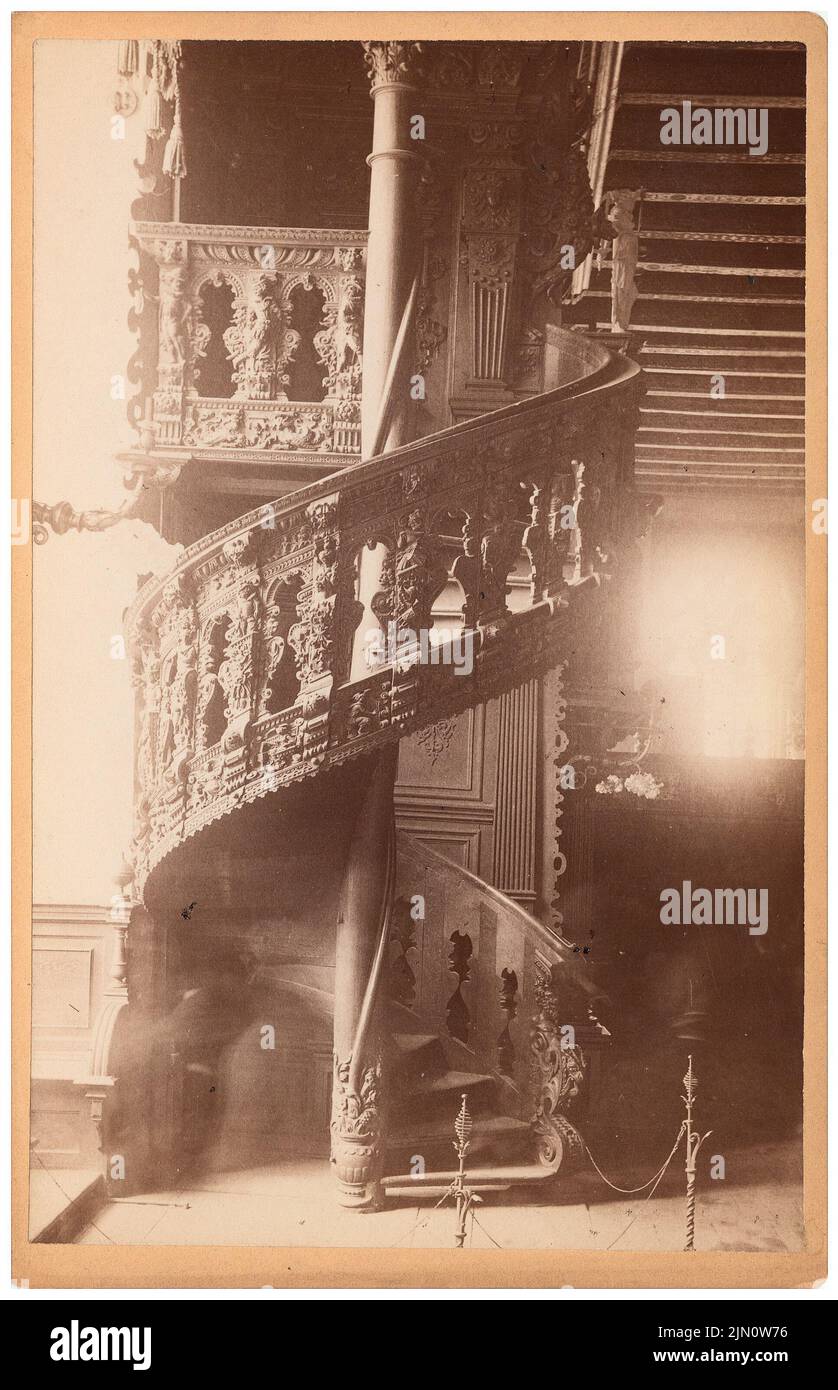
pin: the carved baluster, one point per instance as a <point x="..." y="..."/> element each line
<point x="509" y="1008"/>
<point x="177" y="624"/>
<point x="209" y="687"/>
<point x="325" y="609"/>
<point x="276" y="679"/>
<point x="457" y="1015"/>
<point x="146" y="682"/>
<point x="467" y="570"/>
<point x="236" y="674"/>
<point x="345" y="383"/>
<point x="420" y="573"/>
<point x="413" y="578"/>
<point x="500" y="546"/>
<point x="535" y="537"/>
<point x="560" y="556"/>
<point x="259" y="343"/>
<point x="402" y="940"/>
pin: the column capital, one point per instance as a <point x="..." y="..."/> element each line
<point x="392" y="62"/>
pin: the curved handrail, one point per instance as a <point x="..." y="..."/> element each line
<point x="530" y="926"/>
<point x="370" y="999"/>
<point x="385" y="410"/>
<point x="518" y="973"/>
<point x="616" y="371"/>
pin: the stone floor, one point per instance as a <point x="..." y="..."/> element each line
<point x="52" y="1191"/>
<point x="758" y="1206"/>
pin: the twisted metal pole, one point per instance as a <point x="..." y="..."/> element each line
<point x="694" y="1143"/>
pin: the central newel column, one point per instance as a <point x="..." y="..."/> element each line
<point x="358" y="1109"/>
<point x="393" y="258"/>
<point x="395" y="243"/>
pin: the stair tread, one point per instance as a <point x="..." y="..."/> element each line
<point x="443" y="1128"/>
<point x="451" y="1081"/>
<point x="414" y="1042"/>
<point x="515" y="1173"/>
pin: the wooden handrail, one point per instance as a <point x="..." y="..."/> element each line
<point x="356" y="1065"/>
<point x="385" y="410"/>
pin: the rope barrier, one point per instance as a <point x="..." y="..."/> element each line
<point x="630" y="1191"/>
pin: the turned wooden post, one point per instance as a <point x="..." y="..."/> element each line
<point x="394" y="247"/>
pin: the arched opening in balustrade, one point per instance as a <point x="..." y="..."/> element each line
<point x="454" y="608"/>
<point x="369" y="639"/>
<point x="280" y="683"/>
<point x="210" y="718"/>
<point x="214" y="370"/>
<point x="306" y="373"/>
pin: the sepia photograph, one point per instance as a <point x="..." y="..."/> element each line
<point x="420" y="523"/>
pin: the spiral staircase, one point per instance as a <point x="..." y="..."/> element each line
<point x="271" y="890"/>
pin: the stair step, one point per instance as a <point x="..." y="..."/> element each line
<point x="485" y="1126"/>
<point x="453" y="1081"/>
<point x="497" y="1179"/>
<point x="413" y="1042"/>
<point x="418" y="1057"/>
<point x="430" y="1096"/>
<point x="494" y="1139"/>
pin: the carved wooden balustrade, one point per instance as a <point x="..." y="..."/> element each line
<point x="251" y="658"/>
<point x="258" y="344"/>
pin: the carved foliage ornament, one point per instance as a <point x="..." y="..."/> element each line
<point x="391" y="62"/>
<point x="559" y="1071"/>
<point x="356" y="1123"/>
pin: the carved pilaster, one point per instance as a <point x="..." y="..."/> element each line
<point x="491" y="223"/>
<point x="174" y="336"/>
<point x="323" y="610"/>
<point x="236" y="673"/>
<point x="177" y="628"/>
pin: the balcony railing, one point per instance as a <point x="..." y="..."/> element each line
<point x="259" y="332"/>
<point x="306" y="632"/>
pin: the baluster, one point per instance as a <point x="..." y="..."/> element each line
<point x="403" y="939"/>
<point x="500" y="547"/>
<point x="534" y="537"/>
<point x="509" y="1008"/>
<point x="457" y="1015"/>
<point x="466" y="569"/>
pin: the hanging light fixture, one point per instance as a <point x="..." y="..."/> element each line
<point x="174" y="155"/>
<point x="128" y="60"/>
<point x="154" y="127"/>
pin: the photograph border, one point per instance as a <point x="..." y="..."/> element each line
<point x="237" y="1267"/>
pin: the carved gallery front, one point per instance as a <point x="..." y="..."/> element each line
<point x="426" y="340"/>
